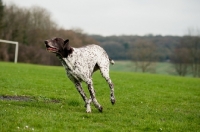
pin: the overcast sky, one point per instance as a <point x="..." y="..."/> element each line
<point x="122" y="17"/>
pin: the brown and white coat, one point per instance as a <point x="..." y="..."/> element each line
<point x="80" y="64"/>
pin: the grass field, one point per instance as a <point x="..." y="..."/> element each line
<point x="41" y="98"/>
<point x="165" y="68"/>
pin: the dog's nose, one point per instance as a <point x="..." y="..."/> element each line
<point x="46" y="42"/>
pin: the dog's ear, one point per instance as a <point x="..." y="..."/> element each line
<point x="66" y="41"/>
<point x="67" y="47"/>
<point x="66" y="44"/>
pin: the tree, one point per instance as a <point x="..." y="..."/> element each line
<point x="30" y="27"/>
<point x="180" y="60"/>
<point x="143" y="55"/>
<point x="1" y="15"/>
<point x="115" y="50"/>
<point x="192" y="43"/>
<point x="186" y="56"/>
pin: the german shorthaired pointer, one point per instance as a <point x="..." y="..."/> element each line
<point x="80" y="63"/>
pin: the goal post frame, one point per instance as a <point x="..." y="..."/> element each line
<point x="16" y="47"/>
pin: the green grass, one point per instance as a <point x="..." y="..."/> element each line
<point x="144" y="102"/>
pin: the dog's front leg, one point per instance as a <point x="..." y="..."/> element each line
<point x="83" y="95"/>
<point x="92" y="95"/>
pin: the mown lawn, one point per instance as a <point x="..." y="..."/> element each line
<point x="41" y="98"/>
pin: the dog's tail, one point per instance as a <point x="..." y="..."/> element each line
<point x="111" y="61"/>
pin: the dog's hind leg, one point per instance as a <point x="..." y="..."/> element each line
<point x="105" y="73"/>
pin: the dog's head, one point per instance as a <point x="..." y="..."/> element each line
<point x="59" y="46"/>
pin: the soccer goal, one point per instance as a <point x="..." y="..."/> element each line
<point x="16" y="47"/>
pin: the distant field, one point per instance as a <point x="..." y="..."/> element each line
<point x="128" y="66"/>
<point x="41" y="98"/>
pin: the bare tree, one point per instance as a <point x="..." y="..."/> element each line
<point x="194" y="52"/>
<point x="186" y="55"/>
<point x="144" y="55"/>
<point x="192" y="42"/>
<point x="180" y="60"/>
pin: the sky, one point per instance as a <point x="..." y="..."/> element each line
<point x="122" y="17"/>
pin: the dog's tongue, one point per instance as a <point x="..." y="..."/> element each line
<point x="53" y="49"/>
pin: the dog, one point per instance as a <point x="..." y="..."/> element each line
<point x="80" y="64"/>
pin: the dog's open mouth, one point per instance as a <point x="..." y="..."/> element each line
<point x="51" y="49"/>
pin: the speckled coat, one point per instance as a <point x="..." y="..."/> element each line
<point x="80" y="63"/>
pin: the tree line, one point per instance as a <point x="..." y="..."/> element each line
<point x="31" y="26"/>
<point x="183" y="52"/>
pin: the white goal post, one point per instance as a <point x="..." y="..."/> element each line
<point x="16" y="47"/>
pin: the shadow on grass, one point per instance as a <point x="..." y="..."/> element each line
<point x="39" y="101"/>
<point x="72" y="105"/>
<point x="28" y="98"/>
